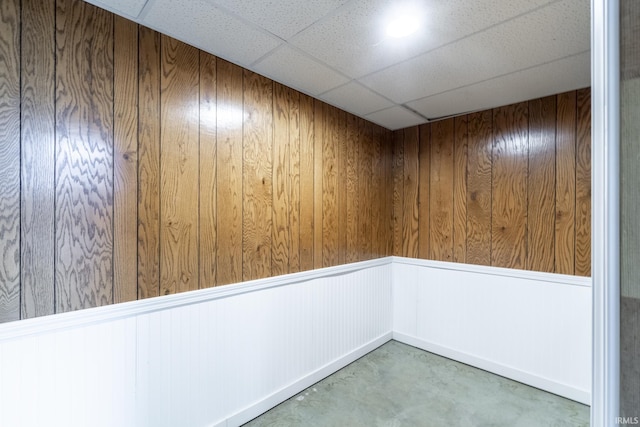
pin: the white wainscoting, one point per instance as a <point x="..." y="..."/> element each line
<point x="528" y="326"/>
<point x="221" y="356"/>
<point x="215" y="357"/>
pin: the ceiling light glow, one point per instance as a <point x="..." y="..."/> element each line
<point x="403" y="25"/>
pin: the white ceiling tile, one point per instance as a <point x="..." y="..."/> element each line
<point x="297" y="70"/>
<point x="550" y="33"/>
<point x="354" y="42"/>
<point x="396" y="117"/>
<point x="356" y="99"/>
<point x="284" y="18"/>
<point x="548" y="79"/>
<point x="130" y="8"/>
<point x="203" y="25"/>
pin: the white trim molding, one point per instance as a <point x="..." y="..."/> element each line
<point x="605" y="226"/>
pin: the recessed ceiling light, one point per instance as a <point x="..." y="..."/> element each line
<point x="402" y="25"/>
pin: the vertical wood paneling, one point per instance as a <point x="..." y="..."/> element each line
<point x="424" y="162"/>
<point x="353" y="206"/>
<point x="410" y="184"/>
<point x="125" y="160"/>
<point x="257" y="147"/>
<point x="460" y="190"/>
<point x="208" y="184"/>
<point x="378" y="192"/>
<point x="111" y="131"/>
<point x="9" y="160"/>
<point x="398" y="192"/>
<point x="84" y="156"/>
<point x="509" y="187"/>
<point x="307" y="144"/>
<point x="148" y="163"/>
<point x="339" y="136"/>
<point x="565" y="183"/>
<point x="330" y="165"/>
<point x="38" y="157"/>
<point x="281" y="181"/>
<point x="229" y="119"/>
<point x="179" y="112"/>
<point x="320" y="124"/>
<point x="387" y="202"/>
<point x="479" y="191"/>
<point x="583" y="184"/>
<point x="441" y="190"/>
<point x="541" y="184"/>
<point x="294" y="180"/>
<point x="365" y="178"/>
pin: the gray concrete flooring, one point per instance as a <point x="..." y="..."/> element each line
<point x="399" y="385"/>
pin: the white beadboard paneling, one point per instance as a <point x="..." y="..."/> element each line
<point x="222" y="356"/>
<point x="528" y="326"/>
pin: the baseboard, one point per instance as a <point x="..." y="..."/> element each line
<point x="581" y="396"/>
<point x="307" y="381"/>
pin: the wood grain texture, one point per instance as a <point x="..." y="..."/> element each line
<point x="9" y="160"/>
<point x="38" y="158"/>
<point x="387" y="235"/>
<point x="148" y="163"/>
<point x="541" y="185"/>
<point x="179" y="198"/>
<point x="583" y="184"/>
<point x="378" y="193"/>
<point x="125" y="160"/>
<point x="320" y="126"/>
<point x="281" y="239"/>
<point x="330" y="207"/>
<point x="442" y="190"/>
<point x="257" y="147"/>
<point x="294" y="180"/>
<point x="565" y="183"/>
<point x="208" y="169"/>
<point x="410" y="238"/>
<point x="398" y="193"/>
<point x="353" y="203"/>
<point x="509" y="187"/>
<point x="229" y="118"/>
<point x="84" y="156"/>
<point x="307" y="146"/>
<point x="479" y="190"/>
<point x="365" y="179"/>
<point x="339" y="136"/>
<point x="460" y="190"/>
<point x="424" y="226"/>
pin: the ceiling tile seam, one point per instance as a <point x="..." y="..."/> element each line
<point x="145" y="11"/>
<point x="499" y="76"/>
<point x="146" y="3"/>
<point x="475" y="33"/>
<point x="326" y="16"/>
<point x="308" y="56"/>
<point x="418" y="113"/>
<point x="323" y="18"/>
<point x="245" y="21"/>
<point x="365" y="87"/>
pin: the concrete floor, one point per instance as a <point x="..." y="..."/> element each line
<point x="399" y="385"/>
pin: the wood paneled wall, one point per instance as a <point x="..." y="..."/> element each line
<point x="133" y="165"/>
<point x="508" y="187"/>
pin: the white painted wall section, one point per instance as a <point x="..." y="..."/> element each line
<point x="529" y="326"/>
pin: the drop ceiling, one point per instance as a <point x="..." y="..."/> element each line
<point x="468" y="55"/>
